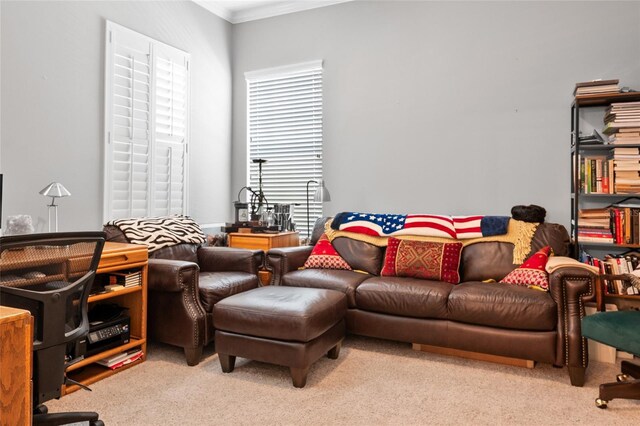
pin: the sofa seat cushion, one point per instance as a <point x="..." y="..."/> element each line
<point x="215" y="286"/>
<point x="409" y="297"/>
<point x="330" y="279"/>
<point x="498" y="305"/>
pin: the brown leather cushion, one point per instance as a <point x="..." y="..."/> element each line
<point x="114" y="234"/>
<point x="483" y="261"/>
<point x="491" y="260"/>
<point x="360" y="255"/>
<point x="502" y="305"/>
<point x="283" y="313"/>
<point x="186" y="252"/>
<point x="551" y="234"/>
<point x="410" y="297"/>
<point x="344" y="281"/>
<point x="215" y="286"/>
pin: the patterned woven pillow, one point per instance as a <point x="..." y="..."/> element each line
<point x="422" y="259"/>
<point x="324" y="256"/>
<point x="532" y="272"/>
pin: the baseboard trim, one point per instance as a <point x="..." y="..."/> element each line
<point x="517" y="362"/>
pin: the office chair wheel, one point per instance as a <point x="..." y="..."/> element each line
<point x="41" y="409"/>
<point x="622" y="378"/>
<point x="601" y="403"/>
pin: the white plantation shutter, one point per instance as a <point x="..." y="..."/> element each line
<point x="171" y="102"/>
<point x="146" y="126"/>
<point x="285" y="128"/>
<point x="129" y="99"/>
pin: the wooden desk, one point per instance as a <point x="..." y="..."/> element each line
<point x="16" y="351"/>
<point x="264" y="242"/>
<point x="68" y="263"/>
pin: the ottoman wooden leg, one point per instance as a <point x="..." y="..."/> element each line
<point x="334" y="352"/>
<point x="227" y="362"/>
<point x="299" y="376"/>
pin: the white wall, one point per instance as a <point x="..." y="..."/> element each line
<point x="52" y="90"/>
<point x="444" y="107"/>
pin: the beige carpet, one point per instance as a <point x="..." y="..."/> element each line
<point x="373" y="382"/>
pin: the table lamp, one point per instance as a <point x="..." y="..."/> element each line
<point x="321" y="194"/>
<point x="54" y="190"/>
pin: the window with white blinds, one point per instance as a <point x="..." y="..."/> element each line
<point x="285" y="128"/>
<point x="146" y="126"/>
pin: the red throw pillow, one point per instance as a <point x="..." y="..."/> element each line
<point x="532" y="272"/>
<point x="422" y="259"/>
<point x="324" y="256"/>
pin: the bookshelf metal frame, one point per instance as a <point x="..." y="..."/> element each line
<point x="585" y="101"/>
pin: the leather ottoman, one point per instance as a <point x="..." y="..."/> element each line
<point x="289" y="326"/>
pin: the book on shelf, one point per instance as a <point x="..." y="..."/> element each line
<point x="598" y="86"/>
<point x="126" y="278"/>
<point x="116" y="361"/>
<point x="594" y="138"/>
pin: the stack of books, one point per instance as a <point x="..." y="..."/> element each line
<point x="126" y="278"/>
<point x="596" y="87"/>
<point x="594" y="225"/>
<point x="622" y="122"/>
<point x="121" y="359"/>
<point x="626" y="166"/>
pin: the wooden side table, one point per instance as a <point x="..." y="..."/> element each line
<point x="264" y="242"/>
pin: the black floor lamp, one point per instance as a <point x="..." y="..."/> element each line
<point x="321" y="195"/>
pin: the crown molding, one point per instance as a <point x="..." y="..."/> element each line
<point x="265" y="11"/>
<point x="215" y="8"/>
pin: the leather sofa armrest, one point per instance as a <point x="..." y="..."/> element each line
<point x="171" y="275"/>
<point x="571" y="287"/>
<point x="227" y="259"/>
<point x="279" y="261"/>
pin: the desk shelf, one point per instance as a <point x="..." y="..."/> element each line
<point x="117" y="257"/>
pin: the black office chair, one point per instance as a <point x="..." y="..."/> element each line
<point x="51" y="276"/>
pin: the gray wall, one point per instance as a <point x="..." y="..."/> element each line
<point x="52" y="90"/>
<point x="444" y="107"/>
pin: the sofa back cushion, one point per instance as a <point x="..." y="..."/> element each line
<point x="493" y="260"/>
<point x="187" y="252"/>
<point x="359" y="255"/>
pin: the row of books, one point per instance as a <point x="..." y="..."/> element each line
<point x="622" y="115"/>
<point x="616" y="265"/>
<point x="616" y="173"/>
<point x="120" y="360"/>
<point x="618" y="224"/>
<point x="596" y="87"/>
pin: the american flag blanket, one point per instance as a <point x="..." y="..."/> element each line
<point x="426" y="225"/>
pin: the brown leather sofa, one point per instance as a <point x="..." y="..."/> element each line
<point x="184" y="283"/>
<point x="475" y="316"/>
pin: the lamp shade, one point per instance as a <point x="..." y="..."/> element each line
<point x="55" y="189"/>
<point x="322" y="193"/>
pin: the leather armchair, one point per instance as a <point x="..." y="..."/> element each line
<point x="184" y="283"/>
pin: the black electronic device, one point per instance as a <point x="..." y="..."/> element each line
<point x="105" y="335"/>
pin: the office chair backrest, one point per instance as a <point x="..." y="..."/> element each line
<point x="51" y="276"/>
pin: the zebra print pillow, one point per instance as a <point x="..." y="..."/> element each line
<point x="159" y="232"/>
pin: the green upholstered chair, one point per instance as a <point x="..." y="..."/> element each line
<point x="620" y="329"/>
